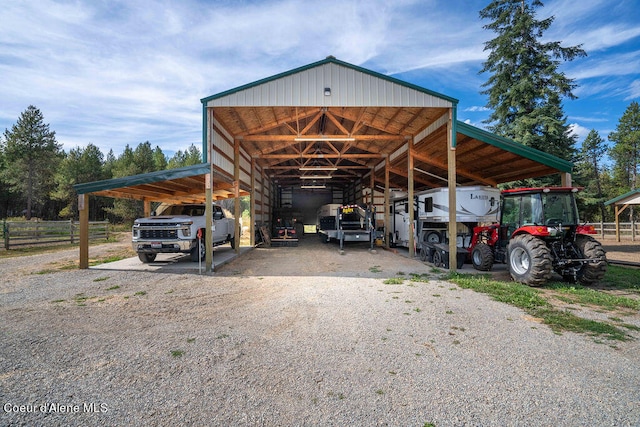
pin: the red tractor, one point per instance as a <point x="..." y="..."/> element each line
<point x="539" y="233"/>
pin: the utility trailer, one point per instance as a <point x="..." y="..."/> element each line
<point x="346" y="223"/>
<point x="474" y="205"/>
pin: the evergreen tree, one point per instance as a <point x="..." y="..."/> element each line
<point x="626" y="151"/>
<point x="526" y="87"/>
<point x="80" y="165"/>
<point x="159" y="159"/>
<point x="31" y="155"/>
<point x="190" y="156"/>
<point x="133" y="162"/>
<point x="588" y="173"/>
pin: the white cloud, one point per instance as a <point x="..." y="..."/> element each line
<point x="634" y="91"/>
<point x="476" y="109"/>
<point x="580" y="131"/>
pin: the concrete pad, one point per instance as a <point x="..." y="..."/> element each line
<point x="174" y="263"/>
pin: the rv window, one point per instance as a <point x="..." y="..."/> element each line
<point x="428" y="204"/>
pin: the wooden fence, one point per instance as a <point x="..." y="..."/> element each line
<point x="29" y="233"/>
<point x="607" y="230"/>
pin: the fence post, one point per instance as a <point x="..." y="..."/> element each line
<point x="5" y="229"/>
<point x="106" y="228"/>
<point x="602" y="229"/>
<point x="71" y="230"/>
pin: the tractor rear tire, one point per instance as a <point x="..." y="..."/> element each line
<point x="482" y="257"/>
<point x="591" y="248"/>
<point x="529" y="260"/>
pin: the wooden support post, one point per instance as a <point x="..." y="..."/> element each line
<point x="208" y="187"/>
<point x="252" y="205"/>
<point x="617" y="223"/>
<point x="451" y="177"/>
<point x="412" y="227"/>
<point x="236" y="184"/>
<point x="83" y="209"/>
<point x="565" y="179"/>
<point x="387" y="217"/>
<point x="147" y="208"/>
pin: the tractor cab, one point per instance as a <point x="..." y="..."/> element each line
<point x="544" y="212"/>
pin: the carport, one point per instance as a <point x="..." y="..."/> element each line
<point x="335" y="128"/>
<point x="621" y="203"/>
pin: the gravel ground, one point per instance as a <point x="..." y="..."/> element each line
<point x="293" y="337"/>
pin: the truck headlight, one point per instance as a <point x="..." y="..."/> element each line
<point x="186" y="228"/>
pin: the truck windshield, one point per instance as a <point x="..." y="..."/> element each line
<point x="190" y="210"/>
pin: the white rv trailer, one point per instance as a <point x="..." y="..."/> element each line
<point x="474" y="205"/>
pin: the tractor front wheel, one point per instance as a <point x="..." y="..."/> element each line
<point x="529" y="260"/>
<point x="591" y="249"/>
<point x="482" y="257"/>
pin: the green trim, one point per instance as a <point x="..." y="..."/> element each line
<point x="145" y="178"/>
<point x="515" y="147"/>
<point x="622" y="197"/>
<point x="454" y="126"/>
<point x="328" y="60"/>
<point x="204" y="134"/>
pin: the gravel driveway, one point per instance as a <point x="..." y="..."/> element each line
<point x="293" y="336"/>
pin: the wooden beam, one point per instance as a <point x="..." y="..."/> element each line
<point x="387" y="217"/>
<point x="451" y="164"/>
<point x="83" y="208"/>
<point x="236" y="178"/>
<point x="412" y="227"/>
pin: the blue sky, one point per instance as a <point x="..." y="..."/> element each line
<point x="116" y="72"/>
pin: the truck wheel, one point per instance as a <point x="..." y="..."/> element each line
<point x="194" y="251"/>
<point x="147" y="258"/>
<point x="433" y="237"/>
<point x="482" y="257"/>
<point x="437" y="259"/>
<point x="529" y="260"/>
<point x="232" y="242"/>
<point x="591" y="248"/>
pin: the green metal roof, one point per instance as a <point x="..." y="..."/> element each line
<point x="329" y="60"/>
<point x="145" y="178"/>
<point x="627" y="195"/>
<point x="514" y="147"/>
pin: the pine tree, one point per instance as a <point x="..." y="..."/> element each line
<point x="588" y="172"/>
<point x="79" y="166"/>
<point x="626" y="151"/>
<point x="31" y="155"/>
<point x="526" y="87"/>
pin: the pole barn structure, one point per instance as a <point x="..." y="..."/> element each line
<point x="369" y="133"/>
<point x="625" y="200"/>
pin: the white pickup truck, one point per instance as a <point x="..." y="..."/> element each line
<point x="177" y="228"/>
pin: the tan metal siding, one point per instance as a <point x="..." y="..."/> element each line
<point x="348" y="88"/>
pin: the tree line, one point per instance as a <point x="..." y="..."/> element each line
<point x="37" y="176"/>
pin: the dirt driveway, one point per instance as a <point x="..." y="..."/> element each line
<point x="292" y="336"/>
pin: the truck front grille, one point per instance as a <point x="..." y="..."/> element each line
<point x="158" y="234"/>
